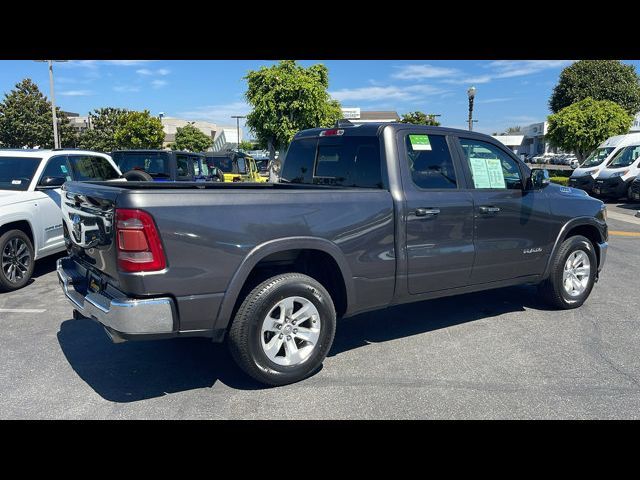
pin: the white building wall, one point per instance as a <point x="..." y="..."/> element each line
<point x="635" y="126"/>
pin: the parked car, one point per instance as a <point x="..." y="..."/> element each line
<point x="615" y="180"/>
<point x="363" y="218"/>
<point x="31" y="224"/>
<point x="584" y="176"/>
<point x="164" y="166"/>
<point x="236" y="166"/>
<point x="634" y="190"/>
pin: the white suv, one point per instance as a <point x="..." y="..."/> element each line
<point x="30" y="215"/>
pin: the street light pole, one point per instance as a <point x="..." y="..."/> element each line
<point x="56" y="140"/>
<point x="238" y="117"/>
<point x="471" y="93"/>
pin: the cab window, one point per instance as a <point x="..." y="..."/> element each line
<point x="490" y="167"/>
<point x="57" y="167"/>
<point x="182" y="166"/>
<point x="430" y="162"/>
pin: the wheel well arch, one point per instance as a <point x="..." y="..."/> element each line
<point x="589" y="231"/>
<point x="320" y="259"/>
<point x="22" y="225"/>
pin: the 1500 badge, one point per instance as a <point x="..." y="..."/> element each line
<point x="532" y="250"/>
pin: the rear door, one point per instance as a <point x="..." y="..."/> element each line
<point x="512" y="228"/>
<point x="438" y="212"/>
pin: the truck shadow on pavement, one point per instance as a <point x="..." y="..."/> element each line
<point x="133" y="371"/>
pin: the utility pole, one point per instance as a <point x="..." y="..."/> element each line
<point x="238" y="117"/>
<point x="471" y="93"/>
<point x="56" y="139"/>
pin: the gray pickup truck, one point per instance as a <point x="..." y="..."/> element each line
<point x="363" y="217"/>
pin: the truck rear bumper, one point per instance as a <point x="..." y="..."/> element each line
<point x="117" y="312"/>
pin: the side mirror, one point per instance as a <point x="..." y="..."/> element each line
<point x="51" y="182"/>
<point x="539" y="178"/>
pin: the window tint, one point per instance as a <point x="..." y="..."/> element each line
<point x="182" y="166"/>
<point x="57" y="167"/>
<point x="490" y="166"/>
<point x="16" y="173"/>
<point x="87" y="167"/>
<point x="430" y="161"/>
<point x="298" y="163"/>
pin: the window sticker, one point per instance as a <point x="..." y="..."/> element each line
<point x="64" y="169"/>
<point x="496" y="176"/>
<point x="420" y="142"/>
<point x="16" y="182"/>
<point x="487" y="173"/>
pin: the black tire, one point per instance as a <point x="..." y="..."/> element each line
<point x="138" y="176"/>
<point x="244" y="333"/>
<point x="552" y="289"/>
<point x="6" y="283"/>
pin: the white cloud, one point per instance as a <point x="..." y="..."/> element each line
<point x="144" y="71"/>
<point x="391" y="92"/>
<point x="76" y="93"/>
<point x="470" y="80"/>
<point x="495" y="100"/>
<point x="218" y="114"/>
<point x="126" y="88"/>
<point x="518" y="68"/>
<point x="414" y="72"/>
<point x="160" y="71"/>
<point x="127" y="63"/>
<point x="158" y="83"/>
<point x="163" y="71"/>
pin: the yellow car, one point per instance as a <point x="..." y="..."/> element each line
<point x="236" y="166"/>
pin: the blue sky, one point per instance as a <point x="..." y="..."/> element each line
<point x="509" y="92"/>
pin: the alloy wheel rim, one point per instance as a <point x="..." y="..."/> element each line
<point x="16" y="260"/>
<point x="290" y="331"/>
<point x="576" y="273"/>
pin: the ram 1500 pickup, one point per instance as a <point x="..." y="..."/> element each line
<point x="363" y="217"/>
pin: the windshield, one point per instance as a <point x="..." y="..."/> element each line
<point x="226" y="164"/>
<point x="625" y="157"/>
<point x="16" y="173"/>
<point x="155" y="164"/>
<point x="597" y="157"/>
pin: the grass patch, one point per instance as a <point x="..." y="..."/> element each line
<point x="560" y="180"/>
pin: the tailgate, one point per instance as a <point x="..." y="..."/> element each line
<point x="88" y="213"/>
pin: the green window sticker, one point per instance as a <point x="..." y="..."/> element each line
<point x="64" y="168"/>
<point x="420" y="142"/>
<point x="496" y="176"/>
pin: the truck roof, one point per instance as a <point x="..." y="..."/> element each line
<point x="375" y="128"/>
<point x="45" y="152"/>
<point x="151" y="150"/>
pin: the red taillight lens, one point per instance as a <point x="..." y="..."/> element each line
<point x="138" y="242"/>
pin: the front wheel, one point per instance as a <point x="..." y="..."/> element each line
<point x="16" y="260"/>
<point x="283" y="330"/>
<point x="572" y="275"/>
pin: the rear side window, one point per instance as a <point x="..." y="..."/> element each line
<point x="57" y="167"/>
<point x="430" y="161"/>
<point x="182" y="166"/>
<point x="87" y="168"/>
<point x="336" y="161"/>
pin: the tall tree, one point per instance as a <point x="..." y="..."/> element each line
<point x="139" y="130"/>
<point x="581" y="127"/>
<point x="26" y="119"/>
<point x="287" y="98"/>
<point x="246" y="145"/>
<point x="103" y="123"/>
<point x="599" y="79"/>
<point x="191" y="139"/>
<point x="419" y="118"/>
<point x="513" y="130"/>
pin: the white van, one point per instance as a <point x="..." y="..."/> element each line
<point x="584" y="176"/>
<point x="616" y="178"/>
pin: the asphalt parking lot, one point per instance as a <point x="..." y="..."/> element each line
<point x="497" y="354"/>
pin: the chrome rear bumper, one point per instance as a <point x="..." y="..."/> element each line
<point x="112" y="308"/>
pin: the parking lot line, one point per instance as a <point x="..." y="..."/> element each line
<point x="624" y="234"/>
<point x="21" y="310"/>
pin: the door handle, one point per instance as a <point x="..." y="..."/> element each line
<point x="425" y="212"/>
<point x="486" y="210"/>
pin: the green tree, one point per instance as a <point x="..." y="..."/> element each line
<point x="513" y="130"/>
<point x="139" y="130"/>
<point x="287" y="98"/>
<point x="245" y="145"/>
<point x="419" y="118"/>
<point x="599" y="79"/>
<point x="26" y="119"/>
<point x="103" y="123"/>
<point x="191" y="139"/>
<point x="581" y="127"/>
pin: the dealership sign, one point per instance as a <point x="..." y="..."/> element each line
<point x="353" y="113"/>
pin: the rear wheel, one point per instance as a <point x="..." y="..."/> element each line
<point x="572" y="275"/>
<point x="138" y="176"/>
<point x="16" y="260"/>
<point x="283" y="330"/>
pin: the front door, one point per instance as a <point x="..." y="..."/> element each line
<point x="512" y="231"/>
<point x="49" y="203"/>
<point x="439" y="215"/>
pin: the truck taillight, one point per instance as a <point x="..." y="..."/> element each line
<point x="332" y="132"/>
<point x="138" y="243"/>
